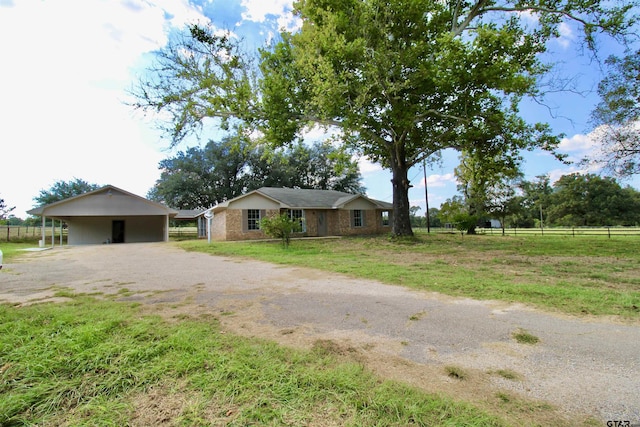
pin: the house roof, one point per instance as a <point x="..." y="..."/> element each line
<point x="188" y="214"/>
<point x="300" y="198"/>
<point x="69" y="206"/>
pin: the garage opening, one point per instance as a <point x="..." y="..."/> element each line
<point x="117" y="231"/>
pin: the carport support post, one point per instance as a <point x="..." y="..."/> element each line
<point x="42" y="229"/>
<point x="166" y="228"/>
<point x="60" y="232"/>
<point x="53" y="232"/>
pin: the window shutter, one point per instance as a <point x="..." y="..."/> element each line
<point x="245" y="220"/>
<point x="363" y="215"/>
<point x="263" y="214"/>
<point x="352" y="215"/>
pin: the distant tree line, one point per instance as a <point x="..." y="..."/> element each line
<point x="218" y="171"/>
<point x="222" y="170"/>
<point x="575" y="200"/>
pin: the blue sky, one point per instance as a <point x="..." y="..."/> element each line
<point x="67" y="67"/>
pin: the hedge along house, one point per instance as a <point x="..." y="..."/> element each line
<point x="109" y="215"/>
<point x="321" y="213"/>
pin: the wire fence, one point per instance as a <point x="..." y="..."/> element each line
<point x="10" y="233"/>
<point x="17" y="233"/>
<point x="550" y="231"/>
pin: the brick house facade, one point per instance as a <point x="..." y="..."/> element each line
<point x="321" y="212"/>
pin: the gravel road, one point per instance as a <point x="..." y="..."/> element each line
<point x="584" y="368"/>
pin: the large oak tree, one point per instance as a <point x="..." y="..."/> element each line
<point x="401" y="79"/>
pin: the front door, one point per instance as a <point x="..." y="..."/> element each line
<point x="117" y="231"/>
<point x="322" y="224"/>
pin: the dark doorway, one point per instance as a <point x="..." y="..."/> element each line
<point x="117" y="231"/>
<point x="322" y="224"/>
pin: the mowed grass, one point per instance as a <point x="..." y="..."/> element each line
<point x="582" y="275"/>
<point x="12" y="250"/>
<point x="107" y="363"/>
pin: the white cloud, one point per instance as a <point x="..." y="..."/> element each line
<point x="258" y="10"/>
<point x="441" y="180"/>
<point x="567" y="35"/>
<point x="319" y="133"/>
<point x="578" y="143"/>
<point x="556" y="174"/>
<point x="529" y="17"/>
<point x="68" y="65"/>
<point x="367" y="167"/>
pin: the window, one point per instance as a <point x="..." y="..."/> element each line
<point x="385" y="218"/>
<point x="253" y="219"/>
<point x="357" y="218"/>
<point x="298" y="214"/>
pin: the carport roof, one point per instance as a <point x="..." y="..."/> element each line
<point x="69" y="206"/>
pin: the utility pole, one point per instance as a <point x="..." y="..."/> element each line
<point x="426" y="194"/>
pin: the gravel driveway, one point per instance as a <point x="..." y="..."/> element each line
<point x="583" y="368"/>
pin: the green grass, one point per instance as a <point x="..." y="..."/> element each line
<point x="12" y="250"/>
<point x="583" y="275"/>
<point x="456" y="372"/>
<point x="507" y="374"/>
<point x="96" y="362"/>
<point x="524" y="337"/>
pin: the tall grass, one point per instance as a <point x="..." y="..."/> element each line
<point x="576" y="275"/>
<point x="91" y="362"/>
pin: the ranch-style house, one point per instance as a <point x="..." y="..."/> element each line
<point x="320" y="212"/>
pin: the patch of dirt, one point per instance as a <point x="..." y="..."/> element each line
<point x="382" y="356"/>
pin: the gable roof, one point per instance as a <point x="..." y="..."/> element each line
<point x="302" y="198"/>
<point x="67" y="207"/>
<point x="188" y="214"/>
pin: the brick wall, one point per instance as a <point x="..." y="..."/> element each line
<point x="338" y="224"/>
<point x="372" y="223"/>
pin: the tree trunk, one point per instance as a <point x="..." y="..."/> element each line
<point x="473" y="210"/>
<point x="401" y="222"/>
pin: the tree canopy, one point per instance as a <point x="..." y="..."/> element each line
<point x="618" y="117"/>
<point x="400" y="79"/>
<point x="202" y="177"/>
<point x="591" y="200"/>
<point x="61" y="190"/>
<point x="575" y="200"/>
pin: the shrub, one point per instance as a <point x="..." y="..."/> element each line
<point x="280" y="227"/>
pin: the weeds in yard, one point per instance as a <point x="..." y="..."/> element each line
<point x="101" y="362"/>
<point x="524" y="337"/>
<point x="455" y="372"/>
<point x="507" y="374"/>
<point x="418" y="316"/>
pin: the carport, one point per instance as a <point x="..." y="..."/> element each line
<point x="108" y="215"/>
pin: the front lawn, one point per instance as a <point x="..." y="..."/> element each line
<point x="583" y="275"/>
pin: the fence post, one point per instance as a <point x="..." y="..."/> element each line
<point x="573" y="231"/>
<point x="609" y="231"/>
<point x="8" y="233"/>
